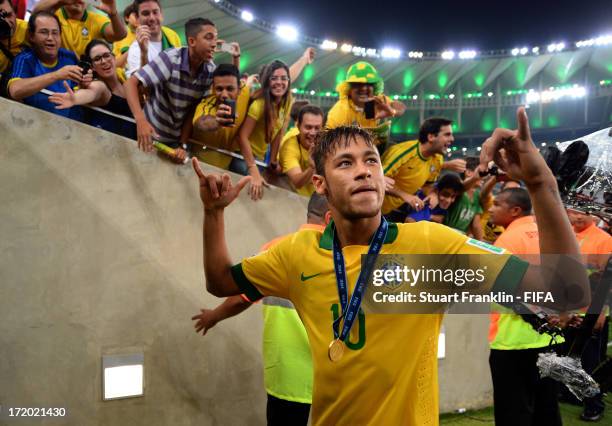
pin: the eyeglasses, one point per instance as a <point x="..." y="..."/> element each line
<point x="100" y="58"/>
<point x="283" y="78"/>
<point x="46" y="33"/>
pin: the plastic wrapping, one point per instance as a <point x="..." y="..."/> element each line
<point x="588" y="189"/>
<point x="569" y="371"/>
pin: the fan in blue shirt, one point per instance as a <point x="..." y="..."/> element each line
<point x="45" y="66"/>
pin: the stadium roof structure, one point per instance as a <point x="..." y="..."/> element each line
<point x="570" y="84"/>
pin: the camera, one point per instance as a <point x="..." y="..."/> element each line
<point x="5" y="28"/>
<point x="583" y="174"/>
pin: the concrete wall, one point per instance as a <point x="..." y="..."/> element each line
<point x="100" y="253"/>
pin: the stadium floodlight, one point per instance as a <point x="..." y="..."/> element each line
<point x="448" y="55"/>
<point x="524" y="50"/>
<point x="329" y="45"/>
<point x="359" y="51"/>
<point x="603" y="40"/>
<point x="287" y="32"/>
<point x="451" y="96"/>
<point x="532" y="96"/>
<point x="490" y="94"/>
<point x="294" y="90"/>
<point x="372" y="53"/>
<point x="515" y="51"/>
<point x="217" y="1"/>
<point x="478" y="148"/>
<point x="346" y="48"/>
<point x="415" y="97"/>
<point x="556" y="47"/>
<point x="467" y="54"/>
<point x="415" y="54"/>
<point x="246" y="16"/>
<point x="390" y="53"/>
<point x="312" y="92"/>
<point x="535" y="50"/>
<point x="553" y="94"/>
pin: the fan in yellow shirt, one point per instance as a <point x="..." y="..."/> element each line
<point x="295" y="152"/>
<point x="375" y="382"/>
<point x="413" y="164"/>
<point x="211" y="124"/>
<point x="80" y="26"/>
<point x="18" y="38"/>
<point x="363" y="84"/>
<point x="121" y="47"/>
<point x="267" y="120"/>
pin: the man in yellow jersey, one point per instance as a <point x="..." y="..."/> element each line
<point x="17" y="35"/>
<point x="413" y="164"/>
<point x="79" y="26"/>
<point x="212" y="122"/>
<point x="520" y="396"/>
<point x="363" y="84"/>
<point x="293" y="130"/>
<point x="295" y="152"/>
<point x="376" y="381"/>
<point x="286" y="353"/>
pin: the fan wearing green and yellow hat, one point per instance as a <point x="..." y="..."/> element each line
<point x="363" y="84"/>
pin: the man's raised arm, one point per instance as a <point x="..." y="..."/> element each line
<point x="561" y="271"/>
<point x="216" y="193"/>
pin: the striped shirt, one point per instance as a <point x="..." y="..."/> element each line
<point x="173" y="91"/>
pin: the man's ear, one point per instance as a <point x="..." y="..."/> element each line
<point x="516" y="211"/>
<point x="191" y="41"/>
<point x="320" y="184"/>
<point x="328" y="217"/>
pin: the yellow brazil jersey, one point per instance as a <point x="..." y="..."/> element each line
<point x="377" y="382"/>
<point x="490" y="231"/>
<point x="77" y="33"/>
<point x="222" y="137"/>
<point x="19" y="40"/>
<point x="294" y="131"/>
<point x="294" y="155"/>
<point x="405" y="163"/>
<point x="259" y="145"/>
<point x="346" y="113"/>
<point x="122" y="46"/>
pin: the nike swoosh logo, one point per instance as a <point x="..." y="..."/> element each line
<point x="307" y="277"/>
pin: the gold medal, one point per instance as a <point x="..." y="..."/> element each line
<point x="335" y="350"/>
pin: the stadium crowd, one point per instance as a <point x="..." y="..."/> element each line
<point x="175" y="95"/>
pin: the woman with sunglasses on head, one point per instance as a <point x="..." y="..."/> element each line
<point x="267" y="120"/>
<point x="105" y="92"/>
